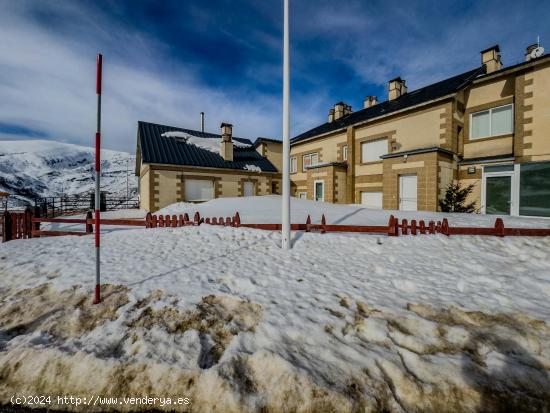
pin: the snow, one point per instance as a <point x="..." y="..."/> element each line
<point x="267" y="210"/>
<point x="210" y="144"/>
<point x="253" y="168"/>
<point x="40" y="168"/>
<point x="227" y="318"/>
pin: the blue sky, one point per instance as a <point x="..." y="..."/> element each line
<point x="166" y="61"/>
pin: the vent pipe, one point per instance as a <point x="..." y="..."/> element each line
<point x="202" y="121"/>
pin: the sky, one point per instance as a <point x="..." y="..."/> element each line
<point x="166" y="61"/>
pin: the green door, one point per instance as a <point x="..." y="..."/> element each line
<point x="498" y="193"/>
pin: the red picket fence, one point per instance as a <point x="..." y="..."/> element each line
<point x="25" y="225"/>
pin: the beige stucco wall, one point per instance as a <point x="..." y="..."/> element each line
<point x="489" y="147"/>
<point x="144" y="190"/>
<point x="326" y="147"/>
<point x="274" y="153"/>
<point x="488" y="92"/>
<point x="167" y="184"/>
<point x="415" y="130"/>
<point x="539" y="115"/>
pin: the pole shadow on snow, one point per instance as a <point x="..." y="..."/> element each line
<point x="514" y="382"/>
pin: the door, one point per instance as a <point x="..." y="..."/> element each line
<point x="372" y="199"/>
<point x="408" y="192"/>
<point x="249" y="189"/>
<point x="498" y="195"/>
<point x="319" y="191"/>
<point x="198" y="190"/>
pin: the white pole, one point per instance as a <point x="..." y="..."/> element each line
<point x="285" y="229"/>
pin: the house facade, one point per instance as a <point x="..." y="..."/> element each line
<point x="183" y="165"/>
<point x="489" y="127"/>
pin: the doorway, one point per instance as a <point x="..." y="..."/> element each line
<point x="408" y="193"/>
<point x="319" y="191"/>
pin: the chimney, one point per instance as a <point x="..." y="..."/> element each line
<point x="396" y="88"/>
<point x="369" y="102"/>
<point x="202" y="121"/>
<point x="330" y="115"/>
<point x="226" y="148"/>
<point x="491" y="59"/>
<point x="339" y="110"/>
<point x="528" y="51"/>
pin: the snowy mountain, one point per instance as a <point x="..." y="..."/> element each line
<point x="40" y="168"/>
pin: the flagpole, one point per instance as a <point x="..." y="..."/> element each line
<point x="285" y="229"/>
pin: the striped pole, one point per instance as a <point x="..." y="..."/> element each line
<point x="97" y="298"/>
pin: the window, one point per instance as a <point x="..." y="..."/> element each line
<point x="534" y="189"/>
<point x="345" y="152"/>
<point x="372" y="151"/>
<point x="302" y="195"/>
<point x="492" y="122"/>
<point x="309" y="159"/>
<point x="293" y="165"/>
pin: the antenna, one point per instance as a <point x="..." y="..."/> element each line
<point x="202" y="121"/>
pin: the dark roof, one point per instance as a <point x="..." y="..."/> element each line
<point x="413" y="98"/>
<point x="260" y="139"/>
<point x="156" y="148"/>
<point x="417" y="152"/>
<point x="497" y="158"/>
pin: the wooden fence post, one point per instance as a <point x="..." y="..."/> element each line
<point x="413" y="227"/>
<point x="89" y="226"/>
<point x="181" y="221"/>
<point x="237" y="220"/>
<point x="392" y="227"/>
<point x="308" y="223"/>
<point x="197" y="218"/>
<point x="207" y="220"/>
<point x="154" y="221"/>
<point x="36" y="214"/>
<point x="445" y="227"/>
<point x="6" y="224"/>
<point x="174" y="221"/>
<point x="227" y="221"/>
<point x="499" y="227"/>
<point x="431" y="227"/>
<point x="148" y="220"/>
<point x="404" y="227"/>
<point x="422" y="226"/>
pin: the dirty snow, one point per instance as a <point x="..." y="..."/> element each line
<point x="223" y="316"/>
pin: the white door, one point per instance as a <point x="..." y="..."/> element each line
<point x="372" y="199"/>
<point x="249" y="189"/>
<point x="408" y="192"/>
<point x="198" y="190"/>
<point x="319" y="191"/>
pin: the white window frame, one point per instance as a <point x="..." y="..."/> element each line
<point x="315" y="190"/>
<point x="514" y="196"/>
<point x="310" y="156"/>
<point x="363" y="161"/>
<point x="345" y="152"/>
<point x="302" y="193"/>
<point x="293" y="164"/>
<point x="490" y="110"/>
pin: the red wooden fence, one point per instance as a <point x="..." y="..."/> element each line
<point x="24" y="225"/>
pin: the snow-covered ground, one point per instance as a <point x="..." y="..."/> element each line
<point x="40" y="168"/>
<point x="267" y="210"/>
<point x="341" y="323"/>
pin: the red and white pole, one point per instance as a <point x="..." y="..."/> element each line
<point x="97" y="298"/>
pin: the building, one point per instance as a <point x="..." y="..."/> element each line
<point x="489" y="126"/>
<point x="175" y="164"/>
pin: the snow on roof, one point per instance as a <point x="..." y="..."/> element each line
<point x="210" y="144"/>
<point x="253" y="168"/>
